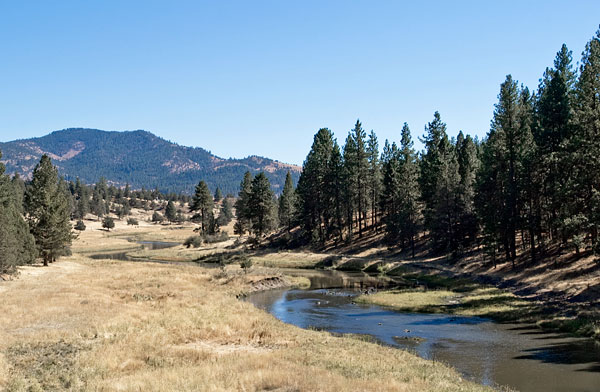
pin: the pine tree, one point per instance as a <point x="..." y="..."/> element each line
<point x="390" y="200"/>
<point x="226" y="213"/>
<point x="97" y="206"/>
<point x="375" y="176"/>
<point x="218" y="195"/>
<point x="19" y="188"/>
<point x="554" y="127"/>
<point x="171" y="212"/>
<point x="242" y="211"/>
<point x="102" y="188"/>
<point x="48" y="212"/>
<point x="202" y="203"/>
<point x="261" y="205"/>
<point x="334" y="194"/>
<point x="17" y="245"/>
<point x="357" y="168"/>
<point x="108" y="223"/>
<point x="408" y="190"/>
<point x="437" y="147"/>
<point x="468" y="165"/>
<point x="287" y="203"/>
<point x="505" y="154"/>
<point x="313" y="191"/>
<point x="445" y="219"/>
<point x="586" y="149"/>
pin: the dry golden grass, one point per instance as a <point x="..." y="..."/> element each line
<point x="104" y="325"/>
<point x="482" y="302"/>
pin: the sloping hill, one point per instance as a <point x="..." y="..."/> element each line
<point x="138" y="158"/>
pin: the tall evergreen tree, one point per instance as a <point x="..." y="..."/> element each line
<point x="218" y="195"/>
<point x="357" y="168"/>
<point x="171" y="211"/>
<point x="261" y="205"/>
<point x="48" y="212"/>
<point x="444" y="221"/>
<point x="554" y="126"/>
<point x="242" y="205"/>
<point x="408" y="190"/>
<point x="334" y="193"/>
<point x="374" y="175"/>
<point x="468" y="165"/>
<point x="287" y="203"/>
<point x="313" y="189"/>
<point x="226" y="213"/>
<point x="505" y="153"/>
<point x="586" y="148"/>
<point x="17" y="245"/>
<point x="202" y="203"/>
<point x="390" y="199"/>
<point x="437" y="146"/>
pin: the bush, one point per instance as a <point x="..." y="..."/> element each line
<point x="195" y="241"/>
<point x="214" y="238"/>
<point x="157" y="218"/>
<point x="108" y="223"/>
<point x="132" y="222"/>
<point x="79" y="225"/>
<point x="245" y="263"/>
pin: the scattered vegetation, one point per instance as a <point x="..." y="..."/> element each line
<point x="80" y="226"/>
<point x="132" y="222"/>
<point x="179" y="328"/>
<point x="108" y="223"/>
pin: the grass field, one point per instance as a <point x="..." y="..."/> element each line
<point x="103" y="325"/>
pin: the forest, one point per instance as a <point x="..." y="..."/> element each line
<point x="531" y="185"/>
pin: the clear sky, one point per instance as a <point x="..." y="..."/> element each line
<point x="256" y="77"/>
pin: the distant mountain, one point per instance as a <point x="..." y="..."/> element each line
<point x="138" y="158"/>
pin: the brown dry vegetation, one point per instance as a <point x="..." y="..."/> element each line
<point x="85" y="324"/>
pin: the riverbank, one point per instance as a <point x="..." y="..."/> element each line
<point x="566" y="303"/>
<point x="84" y="324"/>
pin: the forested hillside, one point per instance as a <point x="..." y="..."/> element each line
<point x="532" y="186"/>
<point x="138" y="158"/>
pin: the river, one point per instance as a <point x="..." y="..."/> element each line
<point x="519" y="356"/>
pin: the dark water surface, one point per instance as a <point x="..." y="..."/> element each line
<point x="516" y="355"/>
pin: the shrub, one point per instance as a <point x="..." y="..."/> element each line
<point x="195" y="241"/>
<point x="214" y="238"/>
<point x="79" y="225"/>
<point x="132" y="222"/>
<point x="245" y="263"/>
<point x="157" y="217"/>
<point x="108" y="223"/>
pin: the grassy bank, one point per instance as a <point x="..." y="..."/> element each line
<point x="105" y="325"/>
<point x="438" y="294"/>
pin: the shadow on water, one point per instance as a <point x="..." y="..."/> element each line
<point x="567" y="352"/>
<point x="496" y="354"/>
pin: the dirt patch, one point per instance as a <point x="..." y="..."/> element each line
<point x="222" y="349"/>
<point x="269" y="283"/>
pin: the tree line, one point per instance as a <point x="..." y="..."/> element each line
<point x="34" y="218"/>
<point x="531" y="184"/>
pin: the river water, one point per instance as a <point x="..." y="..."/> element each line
<point x="519" y="356"/>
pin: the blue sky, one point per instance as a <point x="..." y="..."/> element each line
<point x="256" y="77"/>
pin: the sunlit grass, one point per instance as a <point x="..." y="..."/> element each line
<point x="105" y="325"/>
